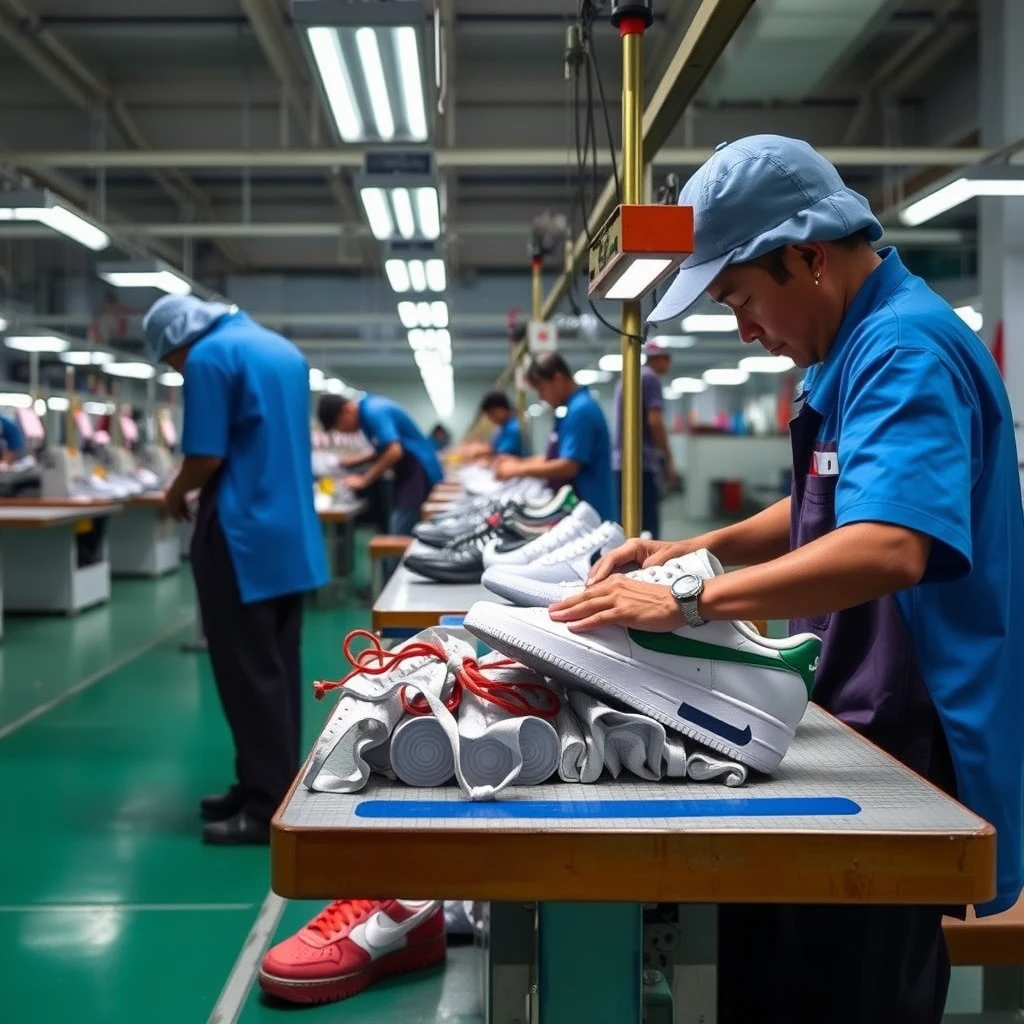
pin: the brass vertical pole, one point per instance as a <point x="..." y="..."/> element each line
<point x="631" y="24"/>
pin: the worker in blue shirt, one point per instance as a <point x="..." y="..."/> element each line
<point x="581" y="452"/>
<point x="507" y="438"/>
<point x="399" y="445"/>
<point x="257" y="547"/>
<point x="901" y="546"/>
<point x="12" y="437"/>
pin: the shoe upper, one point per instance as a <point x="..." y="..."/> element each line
<point x="348" y="935"/>
<point x="580" y="520"/>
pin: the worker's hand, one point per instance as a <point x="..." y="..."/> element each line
<point x="176" y="504"/>
<point x="356" y="482"/>
<point x="620" y="601"/>
<point x="506" y="467"/>
<point x="635" y="552"/>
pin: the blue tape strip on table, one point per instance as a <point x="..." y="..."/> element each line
<point x="734" y="807"/>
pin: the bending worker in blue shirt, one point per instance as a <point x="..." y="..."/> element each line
<point x="257" y="547"/>
<point x="902" y="547"/>
<point x="399" y="445"/>
<point x="13" y="440"/>
<point x="582" y="450"/>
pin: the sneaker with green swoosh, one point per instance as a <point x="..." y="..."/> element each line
<point x="723" y="684"/>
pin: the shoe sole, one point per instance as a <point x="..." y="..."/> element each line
<point x="440" y="573"/>
<point x="556" y="656"/>
<point x="344" y="986"/>
<point x="510" y="587"/>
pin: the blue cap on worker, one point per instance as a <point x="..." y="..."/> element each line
<point x="755" y="195"/>
<point x="177" y="320"/>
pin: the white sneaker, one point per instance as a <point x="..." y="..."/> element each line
<point x="582" y="519"/>
<point x="528" y="590"/>
<point x="724" y="685"/>
<point x="567" y="565"/>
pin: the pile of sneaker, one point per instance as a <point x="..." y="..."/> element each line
<point x="723" y="685"/>
<point x="511" y="523"/>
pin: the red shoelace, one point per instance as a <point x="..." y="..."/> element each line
<point x="341" y="914"/>
<point x="515" y="698"/>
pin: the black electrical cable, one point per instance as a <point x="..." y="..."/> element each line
<point x="592" y="57"/>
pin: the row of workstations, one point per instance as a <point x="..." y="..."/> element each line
<point x="59" y="555"/>
<point x="566" y="868"/>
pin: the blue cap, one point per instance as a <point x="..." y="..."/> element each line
<point x="756" y="195"/>
<point x="177" y="320"/>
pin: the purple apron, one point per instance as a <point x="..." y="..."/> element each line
<point x="867" y="676"/>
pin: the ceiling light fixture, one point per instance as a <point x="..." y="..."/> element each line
<point x="131" y="369"/>
<point x="37" y="343"/>
<point x="43" y="207"/>
<point x="87" y="357"/>
<point x="688" y="385"/>
<point x="766" y="364"/>
<point x="368" y="59"/>
<point x="709" y="323"/>
<point x="171" y="379"/>
<point x="970" y="316"/>
<point x="423" y="314"/>
<point x="726" y="376"/>
<point x="979" y="180"/>
<point x="145" y="274"/>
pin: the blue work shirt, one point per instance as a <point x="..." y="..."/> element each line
<point x="384" y="422"/>
<point x="508" y="438"/>
<point x="918" y="431"/>
<point x="11" y="434"/>
<point x="583" y="437"/>
<point x="246" y="401"/>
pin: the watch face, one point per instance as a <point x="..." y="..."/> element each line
<point x="687" y="587"/>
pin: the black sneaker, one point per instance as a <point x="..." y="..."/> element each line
<point x="462" y="561"/>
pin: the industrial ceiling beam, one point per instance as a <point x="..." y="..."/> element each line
<point x="19" y="28"/>
<point x="916" y="237"/>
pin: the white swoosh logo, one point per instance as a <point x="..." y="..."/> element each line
<point x="382" y="932"/>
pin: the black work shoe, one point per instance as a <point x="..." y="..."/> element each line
<point x="240" y="830"/>
<point x="223" y="805"/>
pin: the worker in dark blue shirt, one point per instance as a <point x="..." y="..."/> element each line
<point x="582" y="451"/>
<point x="901" y="547"/>
<point x="257" y="547"/>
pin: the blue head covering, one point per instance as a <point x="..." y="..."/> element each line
<point x="177" y="320"/>
<point x="756" y="195"/>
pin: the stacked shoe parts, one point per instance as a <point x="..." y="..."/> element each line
<point x="722" y="685"/>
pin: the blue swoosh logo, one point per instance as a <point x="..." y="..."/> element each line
<point x="737" y="737"/>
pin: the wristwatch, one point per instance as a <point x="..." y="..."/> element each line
<point x="687" y="590"/>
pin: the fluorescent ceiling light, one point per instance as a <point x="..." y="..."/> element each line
<point x="43" y="207"/>
<point x="3" y="324"/>
<point x="404" y="219"/>
<point x="325" y="46"/>
<point x="369" y="62"/>
<point x="86" y="357"/>
<point x="423" y="314"/>
<point x="429" y="212"/>
<point x="637" y="279"/>
<point x="970" y="316"/>
<point x="417" y="275"/>
<point x="144" y="274"/>
<point x="709" y="323"/>
<point x="1006" y="180"/>
<point x="37" y="343"/>
<point x="766" y="364"/>
<point x="58" y="403"/>
<point x="133" y="370"/>
<point x="398" y="275"/>
<point x="97" y="408"/>
<point x="411" y="76"/>
<point x="378" y="212"/>
<point x="436" y="276"/>
<point x="612" y="362"/>
<point x="316" y="379"/>
<point x="15" y="400"/>
<point x="725" y="376"/>
<point x="171" y="379"/>
<point x="689" y="385"/>
<point x="587" y="377"/>
<point x="376" y="85"/>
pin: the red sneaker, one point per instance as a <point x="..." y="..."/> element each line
<point x="351" y="944"/>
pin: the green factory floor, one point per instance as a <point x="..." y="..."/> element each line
<point x="110" y="907"/>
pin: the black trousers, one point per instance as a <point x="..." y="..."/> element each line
<point x="255" y="655"/>
<point x="831" y="965"/>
